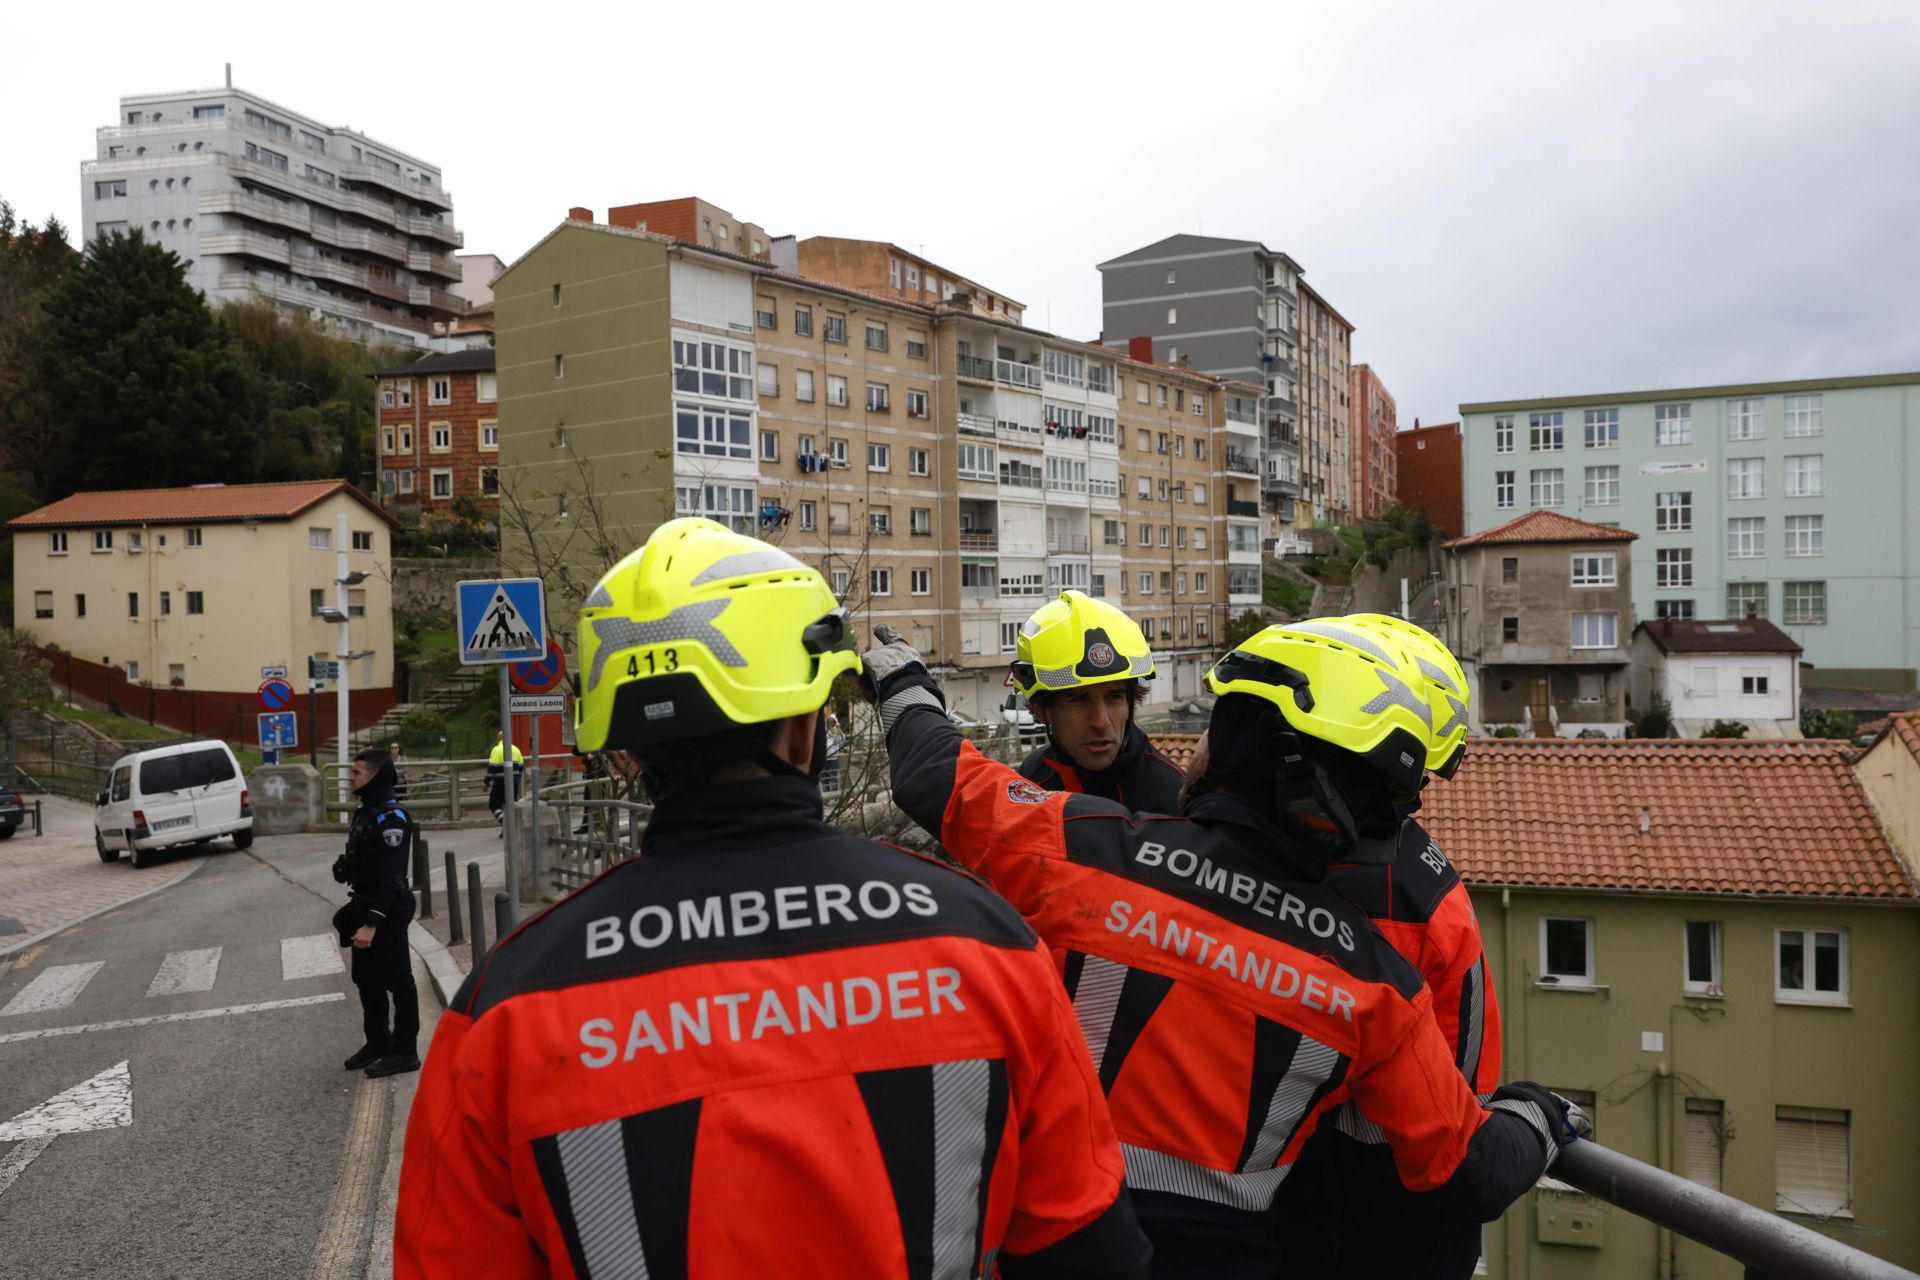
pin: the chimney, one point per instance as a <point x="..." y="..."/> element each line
<point x="1140" y="349"/>
<point x="579" y="213"/>
<point x="1416" y="424"/>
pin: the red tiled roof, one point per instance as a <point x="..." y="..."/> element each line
<point x="1905" y="725"/>
<point x="209" y="504"/>
<point x="1545" y="526"/>
<point x="1177" y="747"/>
<point x="1763" y="817"/>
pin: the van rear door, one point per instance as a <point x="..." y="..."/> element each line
<point x="216" y="786"/>
<point x="115" y="817"/>
<point x="164" y="795"/>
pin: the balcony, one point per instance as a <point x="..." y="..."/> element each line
<point x="1015" y="374"/>
<point x="980" y="591"/>
<point x="979" y="540"/>
<point x="1237" y="508"/>
<point x="438" y="300"/>
<point x="434" y="264"/>
<point x="976" y="424"/>
<point x="1284" y="484"/>
<point x="1069" y="544"/>
<point x="252" y="244"/>
<point x="432" y="228"/>
<point x="974" y="367"/>
<point x="1243" y="463"/>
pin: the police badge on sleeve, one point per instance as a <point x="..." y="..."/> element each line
<point x="394" y="836"/>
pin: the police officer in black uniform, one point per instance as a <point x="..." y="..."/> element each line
<point x="374" y="868"/>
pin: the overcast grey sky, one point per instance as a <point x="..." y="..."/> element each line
<point x="1505" y="199"/>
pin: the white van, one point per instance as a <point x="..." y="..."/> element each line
<point x="183" y="793"/>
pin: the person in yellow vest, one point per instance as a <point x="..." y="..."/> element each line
<point x="497" y="777"/>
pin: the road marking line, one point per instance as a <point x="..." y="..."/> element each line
<point x="56" y="988"/>
<point x="309" y="957"/>
<point x="184" y="971"/>
<point x="351" y="1210"/>
<point x="15" y="1162"/>
<point x="189" y="1015"/>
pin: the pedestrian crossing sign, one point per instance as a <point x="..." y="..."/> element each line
<point x="502" y="620"/>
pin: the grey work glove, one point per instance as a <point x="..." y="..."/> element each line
<point x="899" y="678"/>
<point x="1558" y="1121"/>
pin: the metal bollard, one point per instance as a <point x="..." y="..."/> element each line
<point x="476" y="914"/>
<point x="421" y="864"/>
<point x="502" y="915"/>
<point x="454" y="934"/>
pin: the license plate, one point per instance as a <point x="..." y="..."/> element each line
<point x="171" y="822"/>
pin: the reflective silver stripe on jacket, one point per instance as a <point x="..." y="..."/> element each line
<point x="1158" y="1171"/>
<point x="1096" y="998"/>
<point x="1475" y="995"/>
<point x="1312" y="1064"/>
<point x="594" y="1160"/>
<point x="961" y="1091"/>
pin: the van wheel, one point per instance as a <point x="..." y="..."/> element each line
<point x="243" y="839"/>
<point x="141" y="858"/>
<point x="100" y="846"/>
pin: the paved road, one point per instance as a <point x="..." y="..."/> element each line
<point x="49" y="880"/>
<point x="246" y="1150"/>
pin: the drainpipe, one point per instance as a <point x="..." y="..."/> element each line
<point x="1662" y="1099"/>
<point x="1512" y="1055"/>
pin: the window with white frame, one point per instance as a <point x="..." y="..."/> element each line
<point x="1603" y="486"/>
<point x="836" y="390"/>
<point x="708" y="367"/>
<point x="1746" y="599"/>
<point x="916" y="462"/>
<point x="836" y="328"/>
<point x="1146" y="487"/>
<point x="1009" y="636"/>
<point x="1547" y="487"/>
<point x="880" y="520"/>
<point x="1746" y="478"/>
<point x="57" y="543"/>
<point x="1812" y="966"/>
<point x="439" y="390"/>
<point x="1603" y="428"/>
<point x="1805" y="476"/>
<point x="1673" y="567"/>
<point x="1700" y="958"/>
<point x="363" y="539"/>
<point x="1806" y="536"/>
<point x="490" y="436"/>
<point x="403" y="481"/>
<point x="406" y="440"/>
<point x="1678" y="610"/>
<point x="1746" y="538"/>
<point x="1546" y="432"/>
<point x="440" y="437"/>
<point x="487" y="388"/>
<point x="803" y="385"/>
<point x="808" y="517"/>
<point x="713" y="431"/>
<point x="1803" y="603"/>
<point x="917" y="404"/>
<point x="1596" y="630"/>
<point x="879" y="457"/>
<point x="1754" y="684"/>
<point x="975" y="461"/>
<point x="1704" y="1141"/>
<point x="769" y="444"/>
<point x="878" y="398"/>
<point x="1566" y="951"/>
<point x="1596" y="569"/>
<point x="1801" y="415"/>
<point x="1503" y="489"/>
<point x="880" y="582"/>
<point x="103" y="539"/>
<point x="1813" y="1161"/>
<point x="1503" y="433"/>
<point x="841" y="576"/>
<point x="920" y="581"/>
<point x="441" y="479"/>
<point x="730" y="505"/>
<point x="1746" y="419"/>
<point x="1673" y="512"/>
<point x="1146" y="583"/>
<point x="406" y="394"/>
<point x="319" y="538"/>
<point x="1673" y="424"/>
<point x="920" y="522"/>
<point x="43" y="604"/>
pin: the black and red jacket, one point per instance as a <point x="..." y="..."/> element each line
<point x="764" y="1048"/>
<point x="1140" y="777"/>
<point x="1227" y="1004"/>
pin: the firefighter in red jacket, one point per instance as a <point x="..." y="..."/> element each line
<point x="1228" y="997"/>
<point x="764" y="1047"/>
<point x="1082" y="666"/>
<point x="1345" y="1181"/>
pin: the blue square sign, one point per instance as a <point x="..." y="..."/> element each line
<point x="502" y="620"/>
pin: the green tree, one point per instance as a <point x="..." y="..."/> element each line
<point x="1725" y="729"/>
<point x="145" y="386"/>
<point x="23" y="674"/>
<point x="1241" y="628"/>
<point x="1655" y="722"/>
<point x="1815" y="723"/>
<point x="32" y="262"/>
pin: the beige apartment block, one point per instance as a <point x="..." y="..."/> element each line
<point x="879" y="267"/>
<point x="1326" y="436"/>
<point x="198" y="588"/>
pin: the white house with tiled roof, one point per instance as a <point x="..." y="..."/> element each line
<point x="1739" y="670"/>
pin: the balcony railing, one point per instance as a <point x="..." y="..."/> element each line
<point x="1241" y="462"/>
<point x="434" y="264"/>
<point x="1764" y="1243"/>
<point x="979" y="540"/>
<point x="1073" y="544"/>
<point x="1016" y="374"/>
<point x="974" y="367"/>
<point x="976" y="424"/>
<point x="1238" y="508"/>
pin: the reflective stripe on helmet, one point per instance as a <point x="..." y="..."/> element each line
<point x="691" y="622"/>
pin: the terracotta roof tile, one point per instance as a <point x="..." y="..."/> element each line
<point x="210" y="504"/>
<point x="1906" y="727"/>
<point x="1722" y="816"/>
<point x="1177" y="747"/>
<point x="1545" y="526"/>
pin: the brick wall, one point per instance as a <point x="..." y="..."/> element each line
<point x="407" y="442"/>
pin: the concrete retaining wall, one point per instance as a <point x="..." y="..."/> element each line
<point x="286" y="799"/>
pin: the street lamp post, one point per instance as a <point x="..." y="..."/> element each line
<point x="340" y="615"/>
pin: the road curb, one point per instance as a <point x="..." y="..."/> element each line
<point x="445" y="971"/>
<point x="42" y="936"/>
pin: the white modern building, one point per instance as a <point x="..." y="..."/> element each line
<point x="261" y="201"/>
<point x="1741" y="669"/>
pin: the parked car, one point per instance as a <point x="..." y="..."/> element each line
<point x="182" y="793"/>
<point x="1014" y="711"/>
<point x="12" y="813"/>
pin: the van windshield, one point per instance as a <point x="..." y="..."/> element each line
<point x="186" y="770"/>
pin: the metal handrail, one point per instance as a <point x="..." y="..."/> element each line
<point x="1762" y="1241"/>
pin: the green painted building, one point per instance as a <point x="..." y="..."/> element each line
<point x="1790" y="500"/>
<point x="1715" y="946"/>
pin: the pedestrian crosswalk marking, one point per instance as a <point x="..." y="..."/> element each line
<point x="57" y="988"/>
<point x="185" y="1015"/>
<point x="309" y="957"/>
<point x="185" y="971"/>
<point x="501" y="627"/>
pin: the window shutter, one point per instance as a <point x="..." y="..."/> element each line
<point x="1811" y="1161"/>
<point x="1702" y="1141"/>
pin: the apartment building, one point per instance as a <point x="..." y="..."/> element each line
<point x="691" y="219"/>
<point x="262" y="201"/>
<point x="1230" y="308"/>
<point x="948" y="470"/>
<point x="1790" y="501"/>
<point x="880" y="267"/>
<point x="1326" y="440"/>
<point x="1374" y="459"/>
<point x="195" y="590"/>
<point x="1427" y="473"/>
<point x="438" y="438"/>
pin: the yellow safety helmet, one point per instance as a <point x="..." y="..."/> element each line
<point x="1354" y="688"/>
<point x="1447" y="685"/>
<point x="1077" y="641"/>
<point x="702" y="630"/>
